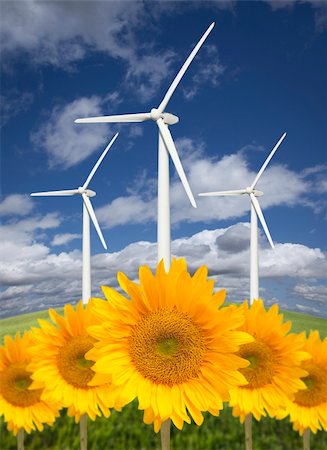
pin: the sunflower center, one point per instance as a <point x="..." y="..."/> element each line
<point x="167" y="347"/>
<point x="316" y="383"/>
<point x="262" y="364"/>
<point x="72" y="365"/>
<point x="14" y="383"/>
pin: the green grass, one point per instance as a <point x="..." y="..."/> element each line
<point x="300" y="322"/>
<point x="21" y="323"/>
<point x="304" y="322"/>
<point x="126" y="431"/>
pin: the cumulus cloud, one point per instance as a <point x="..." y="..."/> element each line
<point x="65" y="32"/>
<point x="16" y="204"/>
<point x="209" y="174"/>
<point x="294" y="260"/>
<point x="307" y="309"/>
<point x="207" y="73"/>
<point x="19" y="244"/>
<point x="147" y="72"/>
<point x="34" y="277"/>
<point x="314" y="292"/>
<point x="131" y="209"/>
<point x="65" y="238"/>
<point x="68" y="143"/>
<point x="62" y="32"/>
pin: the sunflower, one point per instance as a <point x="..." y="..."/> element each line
<point x="59" y="365"/>
<point x="309" y="407"/>
<point x="20" y="406"/>
<point x="168" y="345"/>
<point x="274" y="373"/>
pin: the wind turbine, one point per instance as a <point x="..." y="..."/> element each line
<point x="88" y="212"/>
<point x="255" y="213"/>
<point x="165" y="145"/>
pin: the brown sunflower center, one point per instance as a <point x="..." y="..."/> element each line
<point x="72" y="365"/>
<point x="167" y="347"/>
<point x="316" y="383"/>
<point x="262" y="364"/>
<point x="14" y="383"/>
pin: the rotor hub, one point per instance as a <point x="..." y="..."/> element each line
<point x="255" y="192"/>
<point x="88" y="192"/>
<point x="155" y="114"/>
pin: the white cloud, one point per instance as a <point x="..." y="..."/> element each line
<point x="127" y="210"/>
<point x="33" y="277"/>
<point x="208" y="174"/>
<point x="316" y="293"/>
<point x="307" y="309"/>
<point x="208" y="72"/>
<point x="146" y="74"/>
<point x="64" y="32"/>
<point x="64" y="238"/>
<point x="18" y="240"/>
<point x="16" y="204"/>
<point x="294" y="260"/>
<point x="68" y="143"/>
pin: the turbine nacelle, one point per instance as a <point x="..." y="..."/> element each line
<point x="88" y="192"/>
<point x="255" y="192"/>
<point x="168" y="118"/>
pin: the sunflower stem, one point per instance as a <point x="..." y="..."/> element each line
<point x="248" y="432"/>
<point x="306" y="439"/>
<point x="165" y="435"/>
<point x="83" y="432"/>
<point x="20" y="439"/>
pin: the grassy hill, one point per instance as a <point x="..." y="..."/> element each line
<point x="300" y="322"/>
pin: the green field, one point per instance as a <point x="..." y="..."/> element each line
<point x="21" y="323"/>
<point x="126" y="430"/>
<point x="300" y="322"/>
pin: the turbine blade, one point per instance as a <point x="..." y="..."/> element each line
<point x="118" y="118"/>
<point x="55" y="193"/>
<point x="183" y="69"/>
<point x="99" y="161"/>
<point x="218" y="193"/>
<point x="92" y="215"/>
<point x="169" y="143"/>
<point x="265" y="164"/>
<point x="258" y="210"/>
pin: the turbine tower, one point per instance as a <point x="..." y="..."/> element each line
<point x="166" y="146"/>
<point x="88" y="212"/>
<point x="256" y="213"/>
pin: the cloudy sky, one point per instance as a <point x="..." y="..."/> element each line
<point x="262" y="71"/>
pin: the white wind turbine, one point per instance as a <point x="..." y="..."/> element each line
<point x="88" y="212"/>
<point x="255" y="213"/>
<point x="165" y="145"/>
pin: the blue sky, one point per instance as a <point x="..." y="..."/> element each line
<point x="262" y="71"/>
